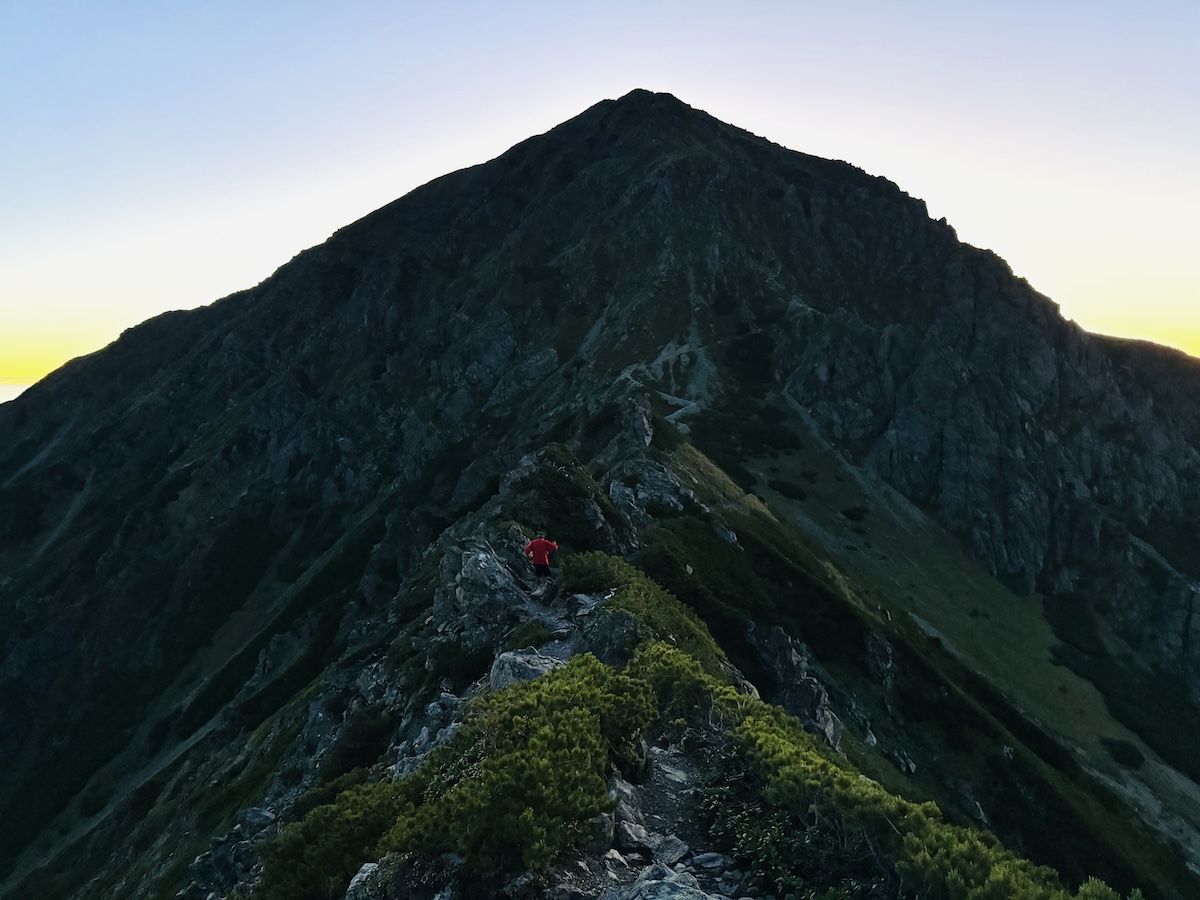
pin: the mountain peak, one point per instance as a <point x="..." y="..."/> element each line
<point x="644" y="97"/>
<point x="639" y="101"/>
<point x="792" y="438"/>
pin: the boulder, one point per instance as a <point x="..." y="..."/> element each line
<point x="520" y="665"/>
<point x="362" y="886"/>
<point x="657" y="882"/>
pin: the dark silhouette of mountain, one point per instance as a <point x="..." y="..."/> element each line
<point x="254" y="554"/>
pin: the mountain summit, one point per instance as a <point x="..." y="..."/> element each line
<point x="877" y="578"/>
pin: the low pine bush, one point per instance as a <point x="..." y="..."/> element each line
<point x="512" y="790"/>
<point x="827" y="831"/>
<point x="528" y="768"/>
<point x="659" y="614"/>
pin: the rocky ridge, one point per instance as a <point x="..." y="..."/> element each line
<point x="485" y="595"/>
<point x="232" y="505"/>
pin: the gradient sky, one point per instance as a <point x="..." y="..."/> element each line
<point x="159" y="155"/>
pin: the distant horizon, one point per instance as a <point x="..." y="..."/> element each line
<point x="11" y="390"/>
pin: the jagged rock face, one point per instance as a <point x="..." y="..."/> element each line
<point x="799" y="689"/>
<point x="208" y="509"/>
<point x="1026" y="434"/>
<point x="643" y="240"/>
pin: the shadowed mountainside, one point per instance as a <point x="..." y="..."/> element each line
<point x="225" y="538"/>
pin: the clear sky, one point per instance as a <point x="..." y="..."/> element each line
<point x="159" y="155"/>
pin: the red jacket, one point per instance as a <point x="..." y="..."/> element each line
<point x="539" y="549"/>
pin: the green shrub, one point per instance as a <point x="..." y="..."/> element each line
<point x="516" y="808"/>
<point x="660" y="616"/>
<point x="683" y="690"/>
<point x="365" y="737"/>
<point x="815" y="801"/>
<point x="512" y="790"/>
<point x="530" y="769"/>
<point x="315" y="858"/>
<point x="589" y="573"/>
<point x="533" y="633"/>
<point x="517" y="785"/>
<point x="561" y="498"/>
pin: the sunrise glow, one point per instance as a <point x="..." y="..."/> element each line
<point x="161" y="157"/>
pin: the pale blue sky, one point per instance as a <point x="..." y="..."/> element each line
<point x="159" y="155"/>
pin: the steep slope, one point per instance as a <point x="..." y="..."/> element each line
<point x="202" y="525"/>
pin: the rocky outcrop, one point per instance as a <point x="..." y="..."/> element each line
<point x="799" y="682"/>
<point x="636" y="850"/>
<point x="1023" y="432"/>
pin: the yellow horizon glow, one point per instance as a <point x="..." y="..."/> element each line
<point x="1185" y="338"/>
<point x="27" y="361"/>
<point x="1057" y="232"/>
<point x="1060" y="143"/>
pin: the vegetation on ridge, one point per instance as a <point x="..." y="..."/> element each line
<point x="512" y="790"/>
<point x="830" y="832"/>
<point x="527" y="771"/>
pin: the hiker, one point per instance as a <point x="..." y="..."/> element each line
<point x="538" y="550"/>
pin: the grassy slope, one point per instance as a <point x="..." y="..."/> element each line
<point x="915" y="582"/>
<point x="905" y="562"/>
